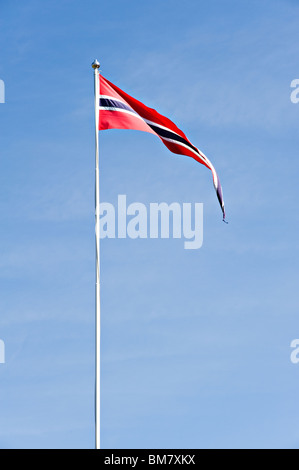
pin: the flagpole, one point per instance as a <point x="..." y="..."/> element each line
<point x="96" y="66"/>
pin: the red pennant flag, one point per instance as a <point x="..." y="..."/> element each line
<point x="118" y="110"/>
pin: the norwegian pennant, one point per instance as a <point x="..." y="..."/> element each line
<point x="118" y="110"/>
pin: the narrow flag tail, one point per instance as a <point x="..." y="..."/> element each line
<point x="118" y="110"/>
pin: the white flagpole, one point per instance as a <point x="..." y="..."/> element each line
<point x="96" y="66"/>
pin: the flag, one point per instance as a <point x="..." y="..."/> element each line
<point x="118" y="110"/>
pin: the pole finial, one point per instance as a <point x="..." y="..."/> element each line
<point x="95" y="64"/>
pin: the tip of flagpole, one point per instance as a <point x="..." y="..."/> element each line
<point x="95" y="64"/>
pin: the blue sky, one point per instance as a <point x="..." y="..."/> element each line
<point x="195" y="344"/>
